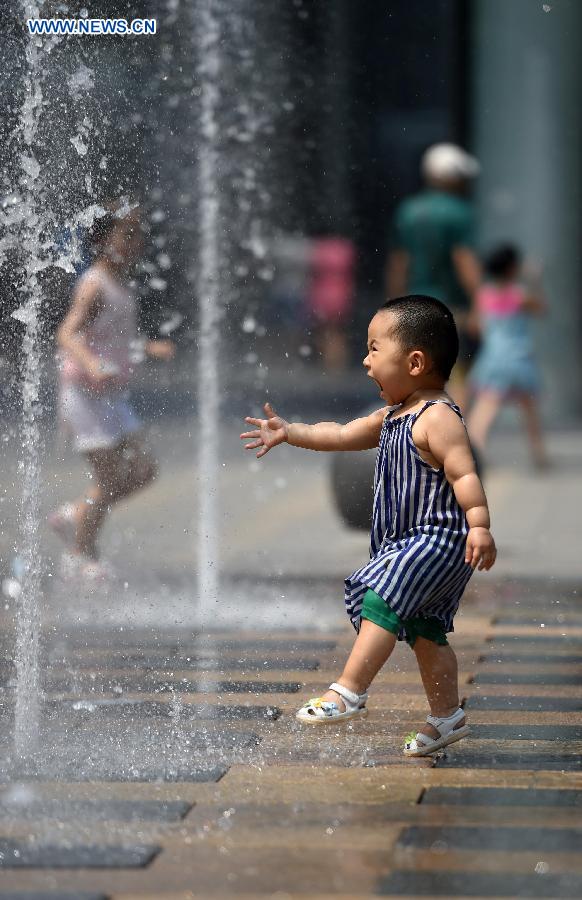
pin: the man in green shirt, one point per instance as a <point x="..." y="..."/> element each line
<point x="433" y="246"/>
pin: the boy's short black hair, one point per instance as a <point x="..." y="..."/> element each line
<point x="502" y="260"/>
<point x="424" y="323"/>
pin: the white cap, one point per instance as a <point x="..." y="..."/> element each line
<point x="448" y="162"/>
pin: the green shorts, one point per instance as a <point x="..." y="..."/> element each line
<point x="376" y="610"/>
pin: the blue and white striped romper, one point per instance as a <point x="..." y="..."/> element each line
<point x="419" y="532"/>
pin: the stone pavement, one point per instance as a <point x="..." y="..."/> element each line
<point x="170" y="765"/>
<point x="205" y="786"/>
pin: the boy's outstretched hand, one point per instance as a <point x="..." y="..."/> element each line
<point x="480" y="550"/>
<point x="271" y="431"/>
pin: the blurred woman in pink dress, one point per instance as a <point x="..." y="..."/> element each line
<point x="96" y="345"/>
<point x="331" y="296"/>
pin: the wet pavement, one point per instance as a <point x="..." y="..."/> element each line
<point x="169" y="763"/>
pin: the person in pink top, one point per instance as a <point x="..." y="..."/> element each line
<point x="96" y="343"/>
<point x="506" y="368"/>
<point x="331" y="296"/>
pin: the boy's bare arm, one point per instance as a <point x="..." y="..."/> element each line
<point x="360" y="434"/>
<point x="448" y="443"/>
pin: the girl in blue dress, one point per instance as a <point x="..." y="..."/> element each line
<point x="506" y="368"/>
<point x="430" y="526"/>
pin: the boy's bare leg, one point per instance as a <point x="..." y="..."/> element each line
<point x="371" y="649"/>
<point x="439" y="673"/>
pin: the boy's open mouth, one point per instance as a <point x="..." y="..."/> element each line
<point x="376" y="380"/>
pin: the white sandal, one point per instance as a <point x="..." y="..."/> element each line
<point x="325" y="712"/>
<point x="423" y="745"/>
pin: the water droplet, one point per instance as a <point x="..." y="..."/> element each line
<point x="84" y="705"/>
<point x="158" y="284"/>
<point x="171" y="324"/>
<point x="439" y="847"/>
<point x="79" y="145"/>
<point x="11" y="588"/>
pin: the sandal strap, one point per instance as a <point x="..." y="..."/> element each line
<point x="423" y="740"/>
<point x="446" y="725"/>
<point x="345" y="692"/>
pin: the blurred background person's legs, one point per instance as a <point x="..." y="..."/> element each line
<point x="481" y="418"/>
<point x="432" y="248"/>
<point x="117" y="473"/>
<point x="330" y="298"/>
<point x="107" y="432"/>
<point x="286" y="298"/>
<point x="533" y="426"/>
<point x="458" y="385"/>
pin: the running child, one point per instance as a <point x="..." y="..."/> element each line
<point x="506" y="368"/>
<point x="430" y="524"/>
<point x="95" y="343"/>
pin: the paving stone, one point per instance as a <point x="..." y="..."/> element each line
<point x="127" y="746"/>
<point x="548" y="640"/>
<point x="150" y="708"/>
<point x="94" y="810"/>
<point x="551" y="678"/>
<point x="294" y="784"/>
<point x="277" y="819"/>
<point x="50" y="895"/>
<point x="158" y="641"/>
<point x="535" y="704"/>
<point x="504" y="838"/>
<point x="506" y="796"/>
<point x="548" y="619"/>
<point x="480" y="884"/>
<point x="99" y="769"/>
<point x="302" y="815"/>
<point x="527" y="732"/>
<point x="151" y="661"/>
<point x="19" y="855"/>
<point x="531" y="658"/>
<point x="500" y="759"/>
<point x="293" y="868"/>
<point x="163" y="684"/>
<point x="274" y="646"/>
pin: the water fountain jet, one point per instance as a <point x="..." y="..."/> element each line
<point x="210" y="306"/>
